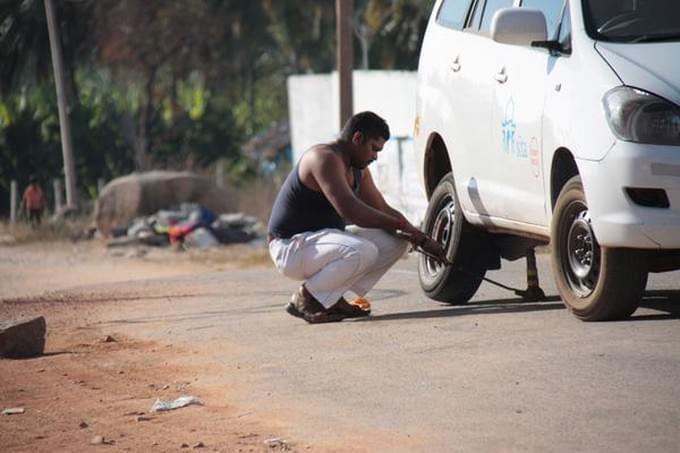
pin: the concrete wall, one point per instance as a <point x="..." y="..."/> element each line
<point x="314" y="112"/>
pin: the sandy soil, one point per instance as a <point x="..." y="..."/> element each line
<point x="85" y="386"/>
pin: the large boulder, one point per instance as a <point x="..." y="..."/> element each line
<point x="141" y="194"/>
<point x="22" y="338"/>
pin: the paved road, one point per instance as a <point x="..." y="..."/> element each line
<point x="497" y="375"/>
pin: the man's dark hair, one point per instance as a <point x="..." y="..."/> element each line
<point x="369" y="124"/>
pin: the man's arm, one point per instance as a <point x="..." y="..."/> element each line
<point x="372" y="196"/>
<point x="328" y="171"/>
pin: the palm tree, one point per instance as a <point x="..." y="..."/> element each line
<point x="25" y="45"/>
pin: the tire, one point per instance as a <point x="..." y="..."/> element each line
<point x="445" y="223"/>
<point x="596" y="283"/>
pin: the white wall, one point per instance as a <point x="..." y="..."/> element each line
<point x="314" y="112"/>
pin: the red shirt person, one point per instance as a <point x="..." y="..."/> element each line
<point x="34" y="202"/>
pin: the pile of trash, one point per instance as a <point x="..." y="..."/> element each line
<point x="190" y="226"/>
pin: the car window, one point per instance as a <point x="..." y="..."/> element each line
<point x="476" y="14"/>
<point x="633" y="20"/>
<point x="490" y="7"/>
<point x="552" y="10"/>
<point x="452" y="13"/>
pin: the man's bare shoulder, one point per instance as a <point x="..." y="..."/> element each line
<point x="319" y="155"/>
<point x="323" y="151"/>
<point x="321" y="164"/>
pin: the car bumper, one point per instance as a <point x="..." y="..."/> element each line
<point x="617" y="220"/>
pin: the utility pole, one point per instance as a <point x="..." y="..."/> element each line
<point x="345" y="57"/>
<point x="64" y="120"/>
<point x="13" y="192"/>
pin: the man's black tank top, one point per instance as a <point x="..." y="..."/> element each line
<point x="298" y="208"/>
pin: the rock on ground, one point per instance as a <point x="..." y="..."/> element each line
<point x="22" y="338"/>
<point x="141" y="194"/>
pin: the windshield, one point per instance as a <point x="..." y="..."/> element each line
<point x="633" y="20"/>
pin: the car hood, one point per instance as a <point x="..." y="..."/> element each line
<point x="652" y="67"/>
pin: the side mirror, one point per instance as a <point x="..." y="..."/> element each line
<point x="518" y="26"/>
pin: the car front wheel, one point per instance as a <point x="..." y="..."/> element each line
<point x="596" y="283"/>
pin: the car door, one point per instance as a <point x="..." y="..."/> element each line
<point x="522" y="79"/>
<point x="474" y="102"/>
<point x="459" y="89"/>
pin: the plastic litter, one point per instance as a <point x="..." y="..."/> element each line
<point x="13" y="411"/>
<point x="182" y="401"/>
<point x="277" y="443"/>
<point x="200" y="238"/>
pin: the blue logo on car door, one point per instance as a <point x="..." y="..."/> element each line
<point x="512" y="143"/>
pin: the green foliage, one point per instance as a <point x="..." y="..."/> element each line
<point x="29" y="140"/>
<point x="198" y="137"/>
<point x="101" y="149"/>
<point x="176" y="84"/>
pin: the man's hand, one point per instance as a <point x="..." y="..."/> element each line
<point x="428" y="245"/>
<point x="434" y="250"/>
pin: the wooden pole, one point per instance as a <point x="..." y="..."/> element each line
<point x="13" y="192"/>
<point x="345" y="57"/>
<point x="219" y="173"/>
<point x="58" y="197"/>
<point x="64" y="120"/>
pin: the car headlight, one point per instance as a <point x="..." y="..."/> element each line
<point x="640" y="117"/>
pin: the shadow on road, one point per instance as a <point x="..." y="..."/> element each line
<point x="667" y="301"/>
<point x="385" y="294"/>
<point x="480" y="307"/>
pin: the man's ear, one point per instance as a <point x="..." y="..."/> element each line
<point x="358" y="138"/>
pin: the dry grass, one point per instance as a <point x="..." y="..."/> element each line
<point x="233" y="256"/>
<point x="22" y="233"/>
<point x="256" y="198"/>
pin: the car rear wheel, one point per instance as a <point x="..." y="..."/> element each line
<point x="596" y="283"/>
<point x="444" y="222"/>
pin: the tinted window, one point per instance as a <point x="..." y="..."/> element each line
<point x="552" y="10"/>
<point x="452" y="13"/>
<point x="490" y="8"/>
<point x="633" y="20"/>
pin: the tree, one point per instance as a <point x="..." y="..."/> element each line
<point x="390" y="32"/>
<point x="304" y="32"/>
<point x="25" y="47"/>
<point x="181" y="83"/>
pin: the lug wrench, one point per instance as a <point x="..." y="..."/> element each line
<point x="531" y="294"/>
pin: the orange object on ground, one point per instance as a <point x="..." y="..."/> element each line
<point x="362" y="303"/>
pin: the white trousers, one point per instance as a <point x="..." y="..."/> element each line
<point x="332" y="262"/>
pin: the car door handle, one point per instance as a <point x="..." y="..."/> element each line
<point x="501" y="77"/>
<point x="455" y="65"/>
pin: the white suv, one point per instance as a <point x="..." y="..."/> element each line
<point x="552" y="121"/>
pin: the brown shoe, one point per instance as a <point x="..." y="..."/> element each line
<point x="348" y="310"/>
<point x="304" y="305"/>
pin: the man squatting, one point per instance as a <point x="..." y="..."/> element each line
<point x="308" y="238"/>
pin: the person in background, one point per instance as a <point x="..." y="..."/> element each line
<point x="34" y="202"/>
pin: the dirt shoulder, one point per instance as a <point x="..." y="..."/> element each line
<point x="50" y="266"/>
<point x="87" y="385"/>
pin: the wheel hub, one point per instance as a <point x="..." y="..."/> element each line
<point x="442" y="231"/>
<point x="580" y="246"/>
<point x="583" y="254"/>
